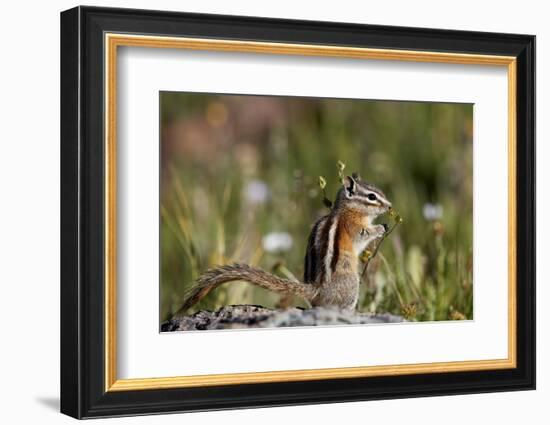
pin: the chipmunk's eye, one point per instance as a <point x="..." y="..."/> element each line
<point x="371" y="197"/>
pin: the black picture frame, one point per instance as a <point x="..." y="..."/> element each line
<point x="83" y="392"/>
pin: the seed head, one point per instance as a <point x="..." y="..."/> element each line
<point x="341" y="167"/>
<point x="409" y="311"/>
<point x="365" y="255"/>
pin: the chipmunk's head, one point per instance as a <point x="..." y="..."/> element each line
<point x="363" y="197"/>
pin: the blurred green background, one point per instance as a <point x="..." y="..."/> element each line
<point x="239" y="182"/>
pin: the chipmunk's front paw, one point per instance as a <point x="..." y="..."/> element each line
<point x="380" y="230"/>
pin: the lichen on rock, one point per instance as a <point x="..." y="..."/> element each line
<point x="253" y="316"/>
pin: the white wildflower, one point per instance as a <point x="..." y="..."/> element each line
<point x="256" y="192"/>
<point x="432" y="212"/>
<point x="277" y="242"/>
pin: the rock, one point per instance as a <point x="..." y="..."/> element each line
<point x="253" y="316"/>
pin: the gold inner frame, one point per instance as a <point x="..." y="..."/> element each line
<point x="113" y="41"/>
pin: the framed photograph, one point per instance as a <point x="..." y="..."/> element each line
<point x="261" y="212"/>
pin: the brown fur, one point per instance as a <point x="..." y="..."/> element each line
<point x="213" y="278"/>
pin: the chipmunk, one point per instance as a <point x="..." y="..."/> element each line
<point x="331" y="274"/>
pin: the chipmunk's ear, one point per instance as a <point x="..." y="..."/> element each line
<point x="356" y="176"/>
<point x="350" y="186"/>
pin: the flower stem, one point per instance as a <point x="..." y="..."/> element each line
<point x="397" y="220"/>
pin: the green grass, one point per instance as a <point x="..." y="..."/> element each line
<point x="418" y="153"/>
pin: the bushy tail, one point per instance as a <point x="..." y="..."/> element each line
<point x="213" y="278"/>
